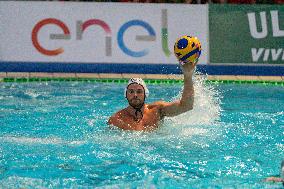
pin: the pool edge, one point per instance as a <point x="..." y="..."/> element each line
<point x="176" y="78"/>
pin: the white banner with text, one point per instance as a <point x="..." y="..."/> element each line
<point x="84" y="32"/>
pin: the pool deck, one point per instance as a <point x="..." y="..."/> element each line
<point x="126" y="76"/>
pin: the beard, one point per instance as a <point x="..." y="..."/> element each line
<point x="136" y="103"/>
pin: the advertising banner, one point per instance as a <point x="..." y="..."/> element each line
<point x="87" y="32"/>
<point x="242" y="34"/>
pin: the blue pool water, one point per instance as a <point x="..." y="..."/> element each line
<point x="54" y="135"/>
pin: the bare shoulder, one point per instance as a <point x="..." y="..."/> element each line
<point x="115" y="117"/>
<point x="158" y="104"/>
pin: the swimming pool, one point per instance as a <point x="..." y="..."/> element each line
<point x="54" y="135"/>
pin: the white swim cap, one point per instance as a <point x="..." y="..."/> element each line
<point x="137" y="81"/>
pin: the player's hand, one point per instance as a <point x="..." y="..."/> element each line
<point x="188" y="68"/>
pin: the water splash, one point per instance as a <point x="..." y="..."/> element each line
<point x="206" y="110"/>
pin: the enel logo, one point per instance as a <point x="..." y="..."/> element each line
<point x="82" y="26"/>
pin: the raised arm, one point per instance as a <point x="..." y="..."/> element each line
<point x="186" y="102"/>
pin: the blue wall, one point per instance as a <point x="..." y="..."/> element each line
<point x="138" y="68"/>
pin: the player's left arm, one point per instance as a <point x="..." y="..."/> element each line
<point x="187" y="100"/>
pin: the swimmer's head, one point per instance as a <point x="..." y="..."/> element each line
<point x="138" y="81"/>
<point x="136" y="92"/>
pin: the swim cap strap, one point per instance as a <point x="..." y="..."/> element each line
<point x="136" y="113"/>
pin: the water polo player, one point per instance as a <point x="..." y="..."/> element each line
<point x="146" y="117"/>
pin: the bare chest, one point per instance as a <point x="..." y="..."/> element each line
<point x="150" y="121"/>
